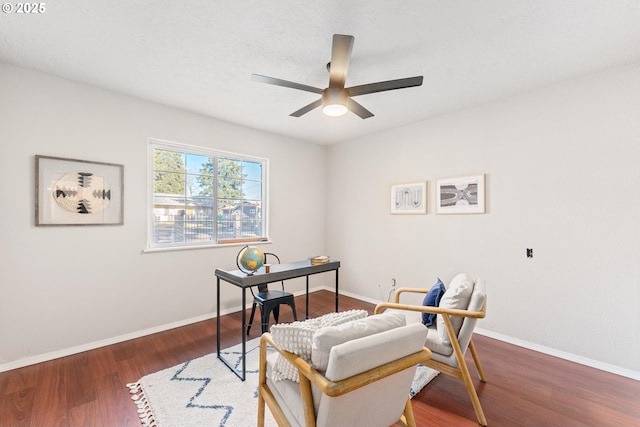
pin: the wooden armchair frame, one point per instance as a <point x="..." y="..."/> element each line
<point x="462" y="371"/>
<point x="309" y="375"/>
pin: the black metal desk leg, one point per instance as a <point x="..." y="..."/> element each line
<point x="218" y="317"/>
<point x="307" y="300"/>
<point x="244" y="334"/>
<point x="336" y="290"/>
<point x="239" y="374"/>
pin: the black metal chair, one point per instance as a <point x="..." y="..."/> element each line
<point x="270" y="301"/>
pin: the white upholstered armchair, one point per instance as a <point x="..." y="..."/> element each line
<point x="463" y="303"/>
<point x="366" y="381"/>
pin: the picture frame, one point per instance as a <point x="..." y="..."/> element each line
<point x="409" y="198"/>
<point x="78" y="192"/>
<point x="461" y="195"/>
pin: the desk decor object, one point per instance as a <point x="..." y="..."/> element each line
<point x="78" y="192"/>
<point x="317" y="260"/>
<point x="461" y="195"/>
<point x="409" y="198"/>
<point x="250" y="259"/>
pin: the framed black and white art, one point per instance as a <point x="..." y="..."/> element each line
<point x="78" y="192"/>
<point x="409" y="198"/>
<point x="460" y="195"/>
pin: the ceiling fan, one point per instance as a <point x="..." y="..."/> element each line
<point x="336" y="99"/>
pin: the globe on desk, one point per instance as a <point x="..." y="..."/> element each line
<point x="250" y="259"/>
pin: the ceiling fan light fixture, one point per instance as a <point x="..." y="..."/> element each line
<point x="337" y="100"/>
<point x="334" y="102"/>
<point x="335" y="110"/>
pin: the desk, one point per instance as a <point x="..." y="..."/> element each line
<point x="278" y="272"/>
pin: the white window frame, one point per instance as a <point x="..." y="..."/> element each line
<point x="218" y="240"/>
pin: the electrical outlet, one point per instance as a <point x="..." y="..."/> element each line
<point x="393" y="283"/>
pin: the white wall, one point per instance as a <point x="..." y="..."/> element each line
<point x="67" y="287"/>
<point x="562" y="178"/>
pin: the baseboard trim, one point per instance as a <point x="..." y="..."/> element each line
<point x="45" y="357"/>
<point x="571" y="357"/>
<point x="536" y="347"/>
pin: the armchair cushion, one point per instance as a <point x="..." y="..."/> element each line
<point x="385" y="397"/>
<point x="432" y="299"/>
<point x="359" y="355"/>
<point x="296" y="337"/>
<point x="379" y="403"/>
<point x="456" y="296"/>
<point x="327" y="338"/>
<point x="435" y="344"/>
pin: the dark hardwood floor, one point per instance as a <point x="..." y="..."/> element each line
<point x="524" y="388"/>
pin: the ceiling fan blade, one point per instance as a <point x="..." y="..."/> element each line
<point x="386" y="85"/>
<point x="358" y="109"/>
<point x="340" y="57"/>
<point x="307" y="108"/>
<point x="285" y="83"/>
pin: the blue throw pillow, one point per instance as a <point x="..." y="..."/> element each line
<point x="432" y="299"/>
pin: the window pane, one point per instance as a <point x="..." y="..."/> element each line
<point x="252" y="190"/>
<point x="202" y="198"/>
<point x="229" y="188"/>
<point x="228" y="168"/>
<point x="251" y="219"/>
<point x="169" y="161"/>
<point x="199" y="164"/>
<point x="199" y="186"/>
<point x="169" y="213"/>
<point x="252" y="180"/>
<point x="169" y="183"/>
<point x="166" y="207"/>
<point x="169" y="232"/>
<point x="198" y="231"/>
<point x="252" y="170"/>
<point x="230" y="218"/>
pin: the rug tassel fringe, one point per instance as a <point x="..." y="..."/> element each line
<point x="144" y="409"/>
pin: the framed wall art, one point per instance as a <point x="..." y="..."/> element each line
<point x="409" y="198"/>
<point x="461" y="195"/>
<point x="78" y="192"/>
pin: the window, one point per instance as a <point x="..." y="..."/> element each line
<point x="203" y="197"/>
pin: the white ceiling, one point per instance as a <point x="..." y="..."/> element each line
<point x="199" y="55"/>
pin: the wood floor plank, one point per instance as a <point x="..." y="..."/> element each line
<point x="49" y="401"/>
<point x="524" y="388"/>
<point x="114" y="402"/>
<point x="87" y="414"/>
<point x="16" y="408"/>
<point x="101" y="361"/>
<point x="19" y="379"/>
<point x="79" y="373"/>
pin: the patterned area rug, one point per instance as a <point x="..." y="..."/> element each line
<point x="204" y="392"/>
